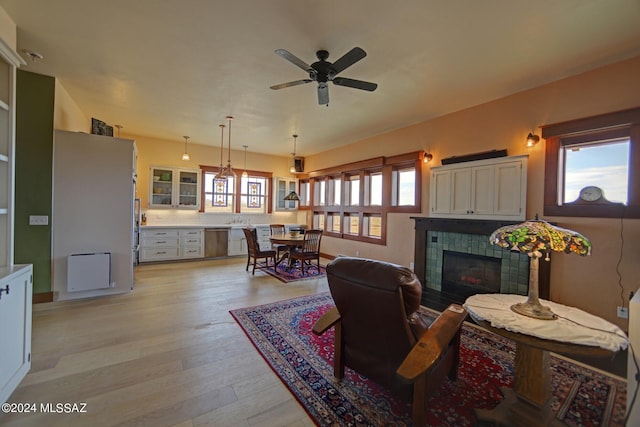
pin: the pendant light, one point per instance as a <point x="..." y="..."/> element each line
<point x="228" y="171"/>
<point x="293" y="196"/>
<point x="293" y="160"/>
<point x="221" y="168"/>
<point x="245" y="174"/>
<point x="185" y="156"/>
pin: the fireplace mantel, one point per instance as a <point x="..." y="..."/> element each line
<point x="423" y="225"/>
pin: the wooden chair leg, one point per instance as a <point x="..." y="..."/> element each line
<point x="419" y="401"/>
<point x="338" y="351"/>
<point x="255" y="259"/>
<point x="248" y="261"/>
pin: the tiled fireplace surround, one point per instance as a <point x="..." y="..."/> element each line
<point x="433" y="236"/>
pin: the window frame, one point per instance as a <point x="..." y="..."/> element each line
<point x="385" y="166"/>
<point x="237" y="190"/>
<point x="606" y="126"/>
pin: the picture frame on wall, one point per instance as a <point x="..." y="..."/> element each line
<point x="98" y="127"/>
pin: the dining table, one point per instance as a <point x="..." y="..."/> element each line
<point x="290" y="240"/>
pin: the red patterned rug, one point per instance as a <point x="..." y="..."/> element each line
<point x="292" y="274"/>
<point x="281" y="332"/>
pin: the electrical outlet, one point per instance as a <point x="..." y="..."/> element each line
<point x="38" y="220"/>
<point x="357" y="253"/>
<point x="411" y="265"/>
<point x="623" y="312"/>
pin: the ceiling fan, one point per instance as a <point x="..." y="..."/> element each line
<point x="323" y="72"/>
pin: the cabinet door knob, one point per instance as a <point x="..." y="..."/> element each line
<point x="5" y="290"/>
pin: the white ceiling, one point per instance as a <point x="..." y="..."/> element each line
<point x="168" y="68"/>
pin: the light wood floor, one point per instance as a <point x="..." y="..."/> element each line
<point x="167" y="354"/>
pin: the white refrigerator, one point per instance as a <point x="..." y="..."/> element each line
<point x="92" y="222"/>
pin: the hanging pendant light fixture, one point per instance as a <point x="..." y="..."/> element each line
<point x="293" y="160"/>
<point x="221" y="167"/>
<point x="293" y="196"/>
<point x="245" y="174"/>
<point x="228" y="171"/>
<point x="185" y="155"/>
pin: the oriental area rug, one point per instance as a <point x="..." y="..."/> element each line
<point x="281" y="332"/>
<point x="286" y="274"/>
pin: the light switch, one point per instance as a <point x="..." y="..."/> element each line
<point x="38" y="220"/>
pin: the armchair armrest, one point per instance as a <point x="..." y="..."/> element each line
<point x="329" y="319"/>
<point x="433" y="342"/>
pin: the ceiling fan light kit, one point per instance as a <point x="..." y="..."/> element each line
<point x="323" y="71"/>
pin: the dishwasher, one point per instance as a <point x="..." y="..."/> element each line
<point x="215" y="242"/>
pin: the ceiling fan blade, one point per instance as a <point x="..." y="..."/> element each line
<point x="348" y="59"/>
<point x="356" y="84"/>
<point x="289" y="84"/>
<point x="294" y="59"/>
<point x="323" y="94"/>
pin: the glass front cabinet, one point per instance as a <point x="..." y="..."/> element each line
<point x="284" y="186"/>
<point x="174" y="188"/>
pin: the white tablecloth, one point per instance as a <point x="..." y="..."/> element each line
<point x="573" y="325"/>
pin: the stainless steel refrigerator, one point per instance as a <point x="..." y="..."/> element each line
<point x="93" y="218"/>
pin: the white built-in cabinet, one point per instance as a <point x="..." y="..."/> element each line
<point x="16" y="290"/>
<point x="482" y="189"/>
<point x="164" y="244"/>
<point x="174" y="188"/>
<point x="284" y="186"/>
<point x="16" y="281"/>
<point x="237" y="242"/>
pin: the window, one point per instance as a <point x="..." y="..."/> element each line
<point x="604" y="164"/>
<point x="403" y="187"/>
<point x="304" y="193"/>
<point x="236" y="195"/>
<point x="601" y="151"/>
<point x="352" y="201"/>
<point x="253" y="198"/>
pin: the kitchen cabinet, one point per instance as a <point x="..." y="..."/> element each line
<point x="482" y="189"/>
<point x="16" y="290"/>
<point x="171" y="243"/>
<point x="191" y="243"/>
<point x="237" y="243"/>
<point x="263" y="233"/>
<point x="174" y="188"/>
<point x="284" y="186"/>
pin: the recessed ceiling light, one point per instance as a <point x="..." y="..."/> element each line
<point x="33" y="55"/>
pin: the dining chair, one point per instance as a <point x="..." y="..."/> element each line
<point x="253" y="250"/>
<point x="309" y="250"/>
<point x="277" y="229"/>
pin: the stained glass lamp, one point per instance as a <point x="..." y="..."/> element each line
<point x="535" y="238"/>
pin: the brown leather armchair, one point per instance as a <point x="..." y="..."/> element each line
<point x="382" y="332"/>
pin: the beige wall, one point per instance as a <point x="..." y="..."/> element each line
<point x="67" y="115"/>
<point x="590" y="283"/>
<point x="168" y="153"/>
<point x="7" y="29"/>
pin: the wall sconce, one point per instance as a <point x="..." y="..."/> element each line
<point x="532" y="139"/>
<point x="427" y="157"/>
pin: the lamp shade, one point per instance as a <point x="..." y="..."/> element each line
<point x="292" y="196"/>
<point x="537" y="237"/>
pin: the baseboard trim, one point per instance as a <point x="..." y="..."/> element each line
<point x="42" y="297"/>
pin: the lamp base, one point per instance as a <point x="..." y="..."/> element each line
<point x="537" y="311"/>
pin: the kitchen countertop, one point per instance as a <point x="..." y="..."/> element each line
<point x="147" y="227"/>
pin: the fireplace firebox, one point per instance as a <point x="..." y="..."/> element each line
<point x="466" y="274"/>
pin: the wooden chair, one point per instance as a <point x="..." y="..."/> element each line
<point x="382" y="331"/>
<point x="253" y="250"/>
<point x="309" y="250"/>
<point x="277" y="229"/>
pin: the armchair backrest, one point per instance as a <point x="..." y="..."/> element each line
<point x="311" y="242"/>
<point x="377" y="302"/>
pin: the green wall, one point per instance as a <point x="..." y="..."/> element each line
<point x="35" y="95"/>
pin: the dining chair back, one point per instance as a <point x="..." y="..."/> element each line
<point x="309" y="250"/>
<point x="277" y="229"/>
<point x="253" y="250"/>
